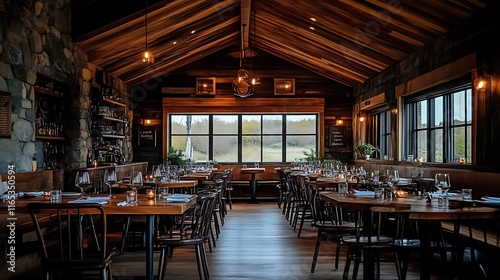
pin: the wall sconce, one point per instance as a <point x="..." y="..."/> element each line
<point x="394" y="111"/>
<point x="339" y="121"/>
<point x="147" y="121"/>
<point x="361" y="116"/>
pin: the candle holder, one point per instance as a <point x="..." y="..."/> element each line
<point x="150" y="194"/>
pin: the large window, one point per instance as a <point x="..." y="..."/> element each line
<point x="380" y="132"/>
<point x="439" y="124"/>
<point x="244" y="137"/>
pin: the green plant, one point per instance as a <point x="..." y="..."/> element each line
<point x="175" y="157"/>
<point x="312" y="155"/>
<point x="365" y="149"/>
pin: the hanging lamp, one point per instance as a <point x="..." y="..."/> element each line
<point x="243" y="84"/>
<point x="147" y="56"/>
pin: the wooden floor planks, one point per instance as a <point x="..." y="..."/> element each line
<point x="256" y="242"/>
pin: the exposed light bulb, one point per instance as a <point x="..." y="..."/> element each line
<point x="147" y="57"/>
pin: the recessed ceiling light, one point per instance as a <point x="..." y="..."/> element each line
<point x="193" y="31"/>
<point x="174" y="43"/>
<point x="312" y="28"/>
<point x="313" y="19"/>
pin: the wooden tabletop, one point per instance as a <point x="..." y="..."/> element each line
<point x="179" y="184"/>
<point x="145" y="207"/>
<point x="198" y="177"/>
<point x="419" y="209"/>
<point x="253" y="170"/>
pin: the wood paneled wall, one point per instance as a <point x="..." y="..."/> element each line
<point x="239" y="105"/>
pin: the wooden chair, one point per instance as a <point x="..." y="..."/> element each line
<point x="67" y="249"/>
<point x="328" y="221"/>
<point x="200" y="231"/>
<point x="366" y="246"/>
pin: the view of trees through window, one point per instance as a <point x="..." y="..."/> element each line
<point x="441" y="126"/>
<point x="244" y="137"/>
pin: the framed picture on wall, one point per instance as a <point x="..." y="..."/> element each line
<point x="284" y="86"/>
<point x="205" y="86"/>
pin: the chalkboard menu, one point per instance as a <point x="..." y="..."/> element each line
<point x="147" y="136"/>
<point x="337" y="136"/>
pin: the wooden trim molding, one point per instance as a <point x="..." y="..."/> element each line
<point x="443" y="74"/>
<point x="239" y="105"/>
<point x="275" y="105"/>
<point x="373" y="102"/>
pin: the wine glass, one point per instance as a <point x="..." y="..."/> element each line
<point x="110" y="179"/>
<point x="442" y="182"/>
<point x="393" y="176"/>
<point x="82" y="181"/>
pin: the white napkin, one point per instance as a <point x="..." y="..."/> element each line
<point x="364" y="193"/>
<point x="123" y="203"/>
<point x="34" y="193"/>
<point x="99" y="200"/>
<point x="492" y="198"/>
<point x="178" y="197"/>
<point x="440" y="194"/>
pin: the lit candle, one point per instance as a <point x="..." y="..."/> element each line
<point x="150" y="194"/>
<point x="401" y="193"/>
<point x="94" y="163"/>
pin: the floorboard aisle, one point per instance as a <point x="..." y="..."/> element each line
<point x="255" y="243"/>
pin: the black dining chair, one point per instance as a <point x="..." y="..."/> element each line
<point x="199" y="234"/>
<point x="68" y="250"/>
<point x="329" y="222"/>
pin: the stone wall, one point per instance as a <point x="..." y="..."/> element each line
<point x="35" y="39"/>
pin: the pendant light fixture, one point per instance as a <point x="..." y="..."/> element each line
<point x="147" y="56"/>
<point x="243" y="84"/>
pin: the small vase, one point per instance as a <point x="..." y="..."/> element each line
<point x="367" y="157"/>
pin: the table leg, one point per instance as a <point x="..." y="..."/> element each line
<point x="149" y="247"/>
<point x="424" y="228"/>
<point x="253" y="186"/>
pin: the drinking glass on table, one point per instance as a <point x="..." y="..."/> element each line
<point x="442" y="182"/>
<point x="110" y="179"/>
<point x="82" y="181"/>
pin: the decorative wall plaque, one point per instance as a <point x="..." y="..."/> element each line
<point x="284" y="86"/>
<point x="5" y="114"/>
<point x="205" y="86"/>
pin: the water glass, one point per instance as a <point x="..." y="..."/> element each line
<point x="442" y="202"/>
<point x="131" y="197"/>
<point x="256" y="165"/>
<point x="244" y="166"/>
<point x="55" y="196"/>
<point x="467" y="194"/>
<point x="378" y="192"/>
<point x="343" y="189"/>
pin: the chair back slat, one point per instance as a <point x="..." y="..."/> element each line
<point x="70" y="222"/>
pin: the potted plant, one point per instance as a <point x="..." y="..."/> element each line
<point x="365" y="149"/>
<point x="175" y="157"/>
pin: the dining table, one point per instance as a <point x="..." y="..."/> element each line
<point x="418" y="209"/>
<point x="148" y="207"/>
<point x="253" y="182"/>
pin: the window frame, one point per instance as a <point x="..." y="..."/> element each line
<point x="446" y="92"/>
<point x="240" y="133"/>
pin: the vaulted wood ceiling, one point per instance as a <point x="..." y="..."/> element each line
<point x="346" y="41"/>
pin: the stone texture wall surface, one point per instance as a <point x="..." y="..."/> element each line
<point x="35" y="39"/>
